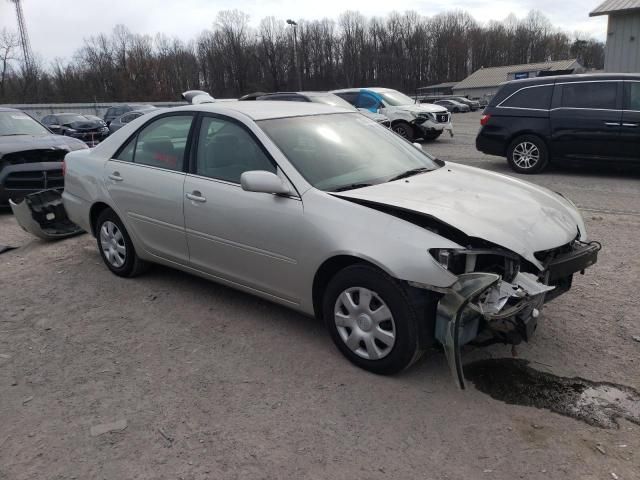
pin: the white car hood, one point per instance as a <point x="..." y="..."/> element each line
<point x="423" y="107"/>
<point x="516" y="215"/>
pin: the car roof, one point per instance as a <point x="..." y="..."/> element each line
<point x="574" y="78"/>
<point x="359" y="89"/>
<point x="7" y="109"/>
<point x="266" y="110"/>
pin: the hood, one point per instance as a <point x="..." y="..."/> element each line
<point x="508" y="212"/>
<point x="84" y="125"/>
<point x="19" y="143"/>
<point x="423" y="107"/>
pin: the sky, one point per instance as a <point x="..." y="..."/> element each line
<point x="57" y="27"/>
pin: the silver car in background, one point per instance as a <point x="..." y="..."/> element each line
<point x="327" y="212"/>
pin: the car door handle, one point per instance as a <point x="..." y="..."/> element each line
<point x="612" y="124"/>
<point x="115" y="176"/>
<point x="196" y="197"/>
<point x="632" y="125"/>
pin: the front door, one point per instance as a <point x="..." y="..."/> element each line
<point x="244" y="237"/>
<point x="630" y="132"/>
<point x="586" y="119"/>
<point x="145" y="181"/>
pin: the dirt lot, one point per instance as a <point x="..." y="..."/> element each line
<point x="213" y="383"/>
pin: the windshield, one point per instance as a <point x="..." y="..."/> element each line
<point x="334" y="151"/>
<point x="333" y="100"/>
<point x="395" y="98"/>
<point x="18" y="123"/>
<point x="70" y="118"/>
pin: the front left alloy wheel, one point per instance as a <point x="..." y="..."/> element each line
<point x="372" y="319"/>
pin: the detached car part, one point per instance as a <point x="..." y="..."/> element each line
<point x="42" y="214"/>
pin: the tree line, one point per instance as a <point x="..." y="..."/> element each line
<point x="402" y="51"/>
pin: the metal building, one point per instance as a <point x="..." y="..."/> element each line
<point x="622" y="53"/>
<point x="484" y="83"/>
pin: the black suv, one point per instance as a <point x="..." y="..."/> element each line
<point x="586" y="117"/>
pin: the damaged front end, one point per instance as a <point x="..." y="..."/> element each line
<point x="42" y="214"/>
<point x="498" y="297"/>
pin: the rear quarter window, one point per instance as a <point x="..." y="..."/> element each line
<point x="538" y="98"/>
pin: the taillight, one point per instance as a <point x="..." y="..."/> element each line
<point x="485" y="119"/>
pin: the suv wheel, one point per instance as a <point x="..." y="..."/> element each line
<point x="372" y="319"/>
<point x="528" y="154"/>
<point x="404" y="130"/>
<point x="115" y="246"/>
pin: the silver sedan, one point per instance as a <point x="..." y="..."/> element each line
<point x="325" y="211"/>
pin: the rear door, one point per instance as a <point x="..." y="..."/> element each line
<point x="145" y="180"/>
<point x="630" y="132"/>
<point x="586" y="119"/>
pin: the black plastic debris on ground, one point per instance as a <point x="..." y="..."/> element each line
<point x="6" y="248"/>
<point x="513" y="381"/>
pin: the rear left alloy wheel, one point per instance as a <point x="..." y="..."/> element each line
<point x="372" y="320"/>
<point x="528" y="154"/>
<point x="115" y="246"/>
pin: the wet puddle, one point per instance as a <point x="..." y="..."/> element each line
<point x="513" y="381"/>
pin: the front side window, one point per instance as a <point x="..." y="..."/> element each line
<point x="334" y="152"/>
<point x="160" y="144"/>
<point x="368" y="101"/>
<point x="632" y="96"/>
<point x="538" y="98"/>
<point x="226" y="150"/>
<point x="590" y="95"/>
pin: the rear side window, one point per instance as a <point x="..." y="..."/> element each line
<point x="538" y="98"/>
<point x="160" y="144"/>
<point x="632" y="96"/>
<point x="351" y="97"/>
<point x="590" y="95"/>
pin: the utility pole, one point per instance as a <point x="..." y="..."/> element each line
<point x="296" y="61"/>
<point x="24" y="37"/>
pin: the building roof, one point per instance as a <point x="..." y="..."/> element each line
<point x="494" y="76"/>
<point x="439" y="85"/>
<point x="616" y="6"/>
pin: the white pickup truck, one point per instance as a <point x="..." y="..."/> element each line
<point x="408" y="119"/>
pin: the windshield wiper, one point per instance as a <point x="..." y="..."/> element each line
<point x="351" y="186"/>
<point x="409" y="173"/>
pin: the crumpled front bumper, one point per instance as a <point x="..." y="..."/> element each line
<point x="508" y="312"/>
<point x="42" y="214"/>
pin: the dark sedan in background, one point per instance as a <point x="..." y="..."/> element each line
<point x="122" y="120"/>
<point x="30" y="155"/>
<point x="90" y="130"/>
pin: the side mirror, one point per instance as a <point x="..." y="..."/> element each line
<point x="263" y="182"/>
<point x="54" y="127"/>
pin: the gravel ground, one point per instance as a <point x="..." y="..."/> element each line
<point x="197" y="381"/>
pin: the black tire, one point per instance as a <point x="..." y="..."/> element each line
<point x="456" y="110"/>
<point x="520" y="161"/>
<point x="432" y="136"/>
<point x="132" y="265"/>
<point x="405" y="311"/>
<point x="404" y="130"/>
